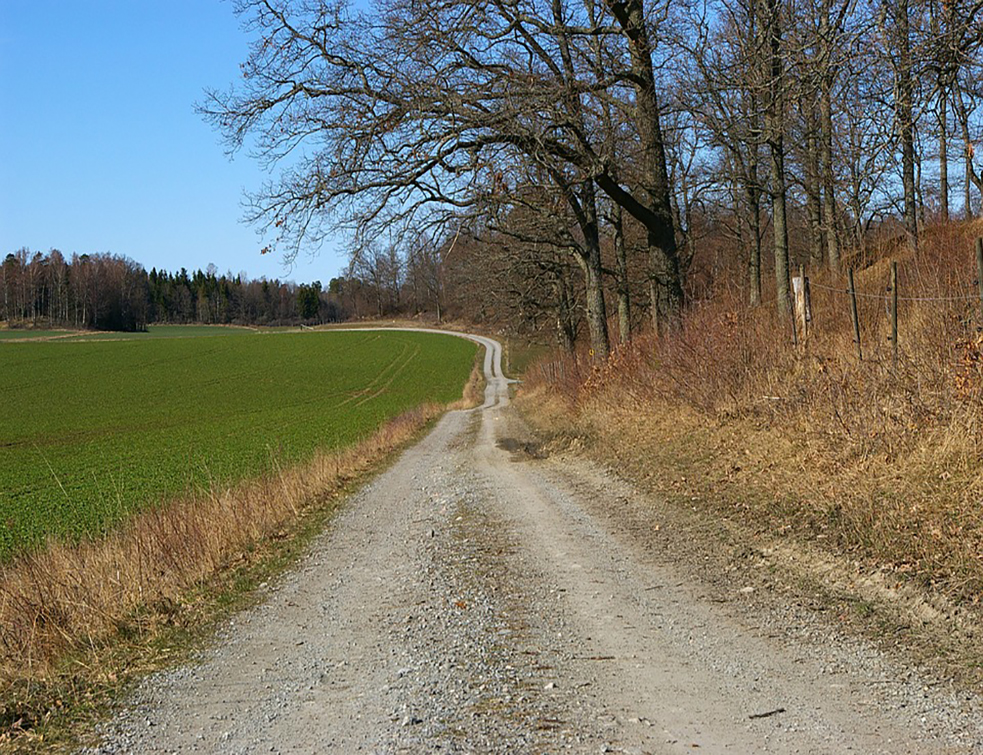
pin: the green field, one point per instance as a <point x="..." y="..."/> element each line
<point x="166" y="331"/>
<point x="154" y="331"/>
<point x="91" y="431"/>
<point x="17" y="335"/>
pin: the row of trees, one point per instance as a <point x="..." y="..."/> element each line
<point x="585" y="155"/>
<point x="88" y="291"/>
<point x="210" y="298"/>
<point x="109" y="292"/>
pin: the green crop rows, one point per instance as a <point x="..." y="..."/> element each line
<point x="92" y="431"/>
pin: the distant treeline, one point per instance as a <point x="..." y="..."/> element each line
<point x="110" y="292"/>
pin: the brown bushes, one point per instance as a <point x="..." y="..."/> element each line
<point x="879" y="462"/>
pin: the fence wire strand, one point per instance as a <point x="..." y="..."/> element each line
<point x="884" y="297"/>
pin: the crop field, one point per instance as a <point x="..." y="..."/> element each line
<point x="17" y="335"/>
<point x="165" y="331"/>
<point x="91" y="431"/>
<point x="154" y="331"/>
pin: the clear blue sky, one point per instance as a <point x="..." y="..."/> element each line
<point x="100" y="147"/>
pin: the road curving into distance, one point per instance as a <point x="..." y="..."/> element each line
<point x="476" y="597"/>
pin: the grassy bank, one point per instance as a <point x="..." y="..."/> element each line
<point x="864" y="459"/>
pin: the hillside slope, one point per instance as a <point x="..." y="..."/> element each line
<point x="867" y="473"/>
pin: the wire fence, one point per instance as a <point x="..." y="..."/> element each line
<point x="800" y="314"/>
<point x="888" y="297"/>
<point x="802" y="308"/>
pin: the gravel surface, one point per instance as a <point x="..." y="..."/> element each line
<point x="477" y="598"/>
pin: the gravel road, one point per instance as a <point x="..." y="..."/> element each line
<point x="477" y="598"/>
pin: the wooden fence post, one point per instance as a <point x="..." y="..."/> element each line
<point x="853" y="315"/>
<point x="800" y="306"/>
<point x="894" y="313"/>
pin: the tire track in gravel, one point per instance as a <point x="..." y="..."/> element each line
<point x="472" y="599"/>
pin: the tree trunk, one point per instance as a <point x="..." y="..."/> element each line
<point x="919" y="194"/>
<point x="590" y="261"/>
<point x="596" y="315"/>
<point x="775" y="136"/>
<point x="590" y="264"/>
<point x="752" y="188"/>
<point x="813" y="189"/>
<point x="970" y="213"/>
<point x="942" y="115"/>
<point x="624" y="293"/>
<point x="565" y="329"/>
<point x="962" y="113"/>
<point x="780" y="224"/>
<point x="754" y="251"/>
<point x="661" y="235"/>
<point x="597" y="320"/>
<point x="904" y="113"/>
<point x="943" y="157"/>
<point x="829" y="187"/>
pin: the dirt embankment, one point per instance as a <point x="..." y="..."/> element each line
<point x="853" y="463"/>
<point x="819" y="536"/>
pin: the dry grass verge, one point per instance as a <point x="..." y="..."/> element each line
<point x="474" y="390"/>
<point x="77" y="621"/>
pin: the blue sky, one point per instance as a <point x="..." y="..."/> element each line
<point x="100" y="147"/>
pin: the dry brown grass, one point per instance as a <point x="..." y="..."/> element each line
<point x="61" y="607"/>
<point x="880" y="463"/>
<point x="474" y="390"/>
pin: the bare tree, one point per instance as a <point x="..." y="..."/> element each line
<point x="957" y="34"/>
<point x="722" y="91"/>
<point x="897" y="34"/>
<point x="461" y="91"/>
<point x="833" y="42"/>
<point x="425" y="272"/>
<point x="770" y="13"/>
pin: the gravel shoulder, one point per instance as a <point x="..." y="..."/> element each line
<point x="478" y="598"/>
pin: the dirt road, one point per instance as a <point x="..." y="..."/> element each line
<point x="476" y="598"/>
